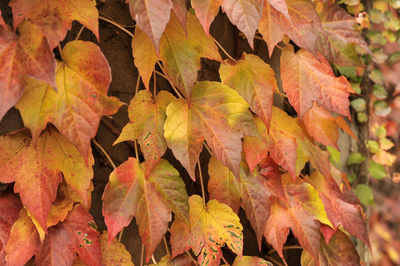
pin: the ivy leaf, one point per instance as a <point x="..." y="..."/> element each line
<point x="147" y="117"/>
<point x="114" y="253"/>
<point x="254" y="80"/>
<point x="215" y="114"/>
<point x="223" y="185"/>
<point x="10" y="207"/>
<point x="306" y="79"/>
<point x="77" y="234"/>
<point x="245" y="14"/>
<point x="181" y="52"/>
<point x="61" y="206"/>
<point x="54" y="19"/>
<point x="180" y="237"/>
<point x="144" y="55"/>
<point x="29" y="55"/>
<point x="339" y="251"/>
<point x="150" y="196"/>
<point x="24" y="241"/>
<point x="178" y="261"/>
<point x="206" y="11"/>
<point x="76" y="108"/>
<point x="151" y="17"/>
<point x="338" y="35"/>
<point x="256" y="148"/>
<point x="180" y="10"/>
<point x="302" y="212"/>
<point x="250" y="261"/>
<point x="342" y="206"/>
<point x="212" y="226"/>
<point x="256" y="192"/>
<point x="299" y="21"/>
<point x="36" y="170"/>
<point x="286" y="136"/>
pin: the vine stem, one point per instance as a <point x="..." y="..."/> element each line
<point x="191" y="258"/>
<point x="285" y="248"/>
<point x="79" y="33"/>
<point x="60" y="50"/>
<point x="222" y="49"/>
<point x="153" y="259"/>
<point x="166" y="245"/>
<point x="169" y="80"/>
<point x="275" y="261"/>
<point x="141" y="256"/>
<point x="104" y="152"/>
<point x="201" y="183"/>
<point x="116" y="25"/>
<point x="135" y="141"/>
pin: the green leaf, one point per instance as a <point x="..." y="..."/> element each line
<point x="376" y="170"/>
<point x="355" y="158"/>
<point x="359" y="104"/>
<point x="364" y="193"/>
<point x="335" y="154"/>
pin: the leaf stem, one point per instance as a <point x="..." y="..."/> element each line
<point x="208" y="148"/>
<point x="201" y="182"/>
<point x="153" y="259"/>
<point x="191" y="258"/>
<point x="274" y="260"/>
<point x="223" y="50"/>
<point x="169" y="80"/>
<point x="79" y="33"/>
<point x="225" y="261"/>
<point x="60" y="50"/>
<point x="104" y="152"/>
<point x="141" y="256"/>
<point x="286" y="248"/>
<point x="116" y="25"/>
<point x="166" y="245"/>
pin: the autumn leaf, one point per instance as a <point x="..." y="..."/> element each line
<point x="29" y="54"/>
<point x="178" y="261"/>
<point x="24" y="241"/>
<point x="10" y="207"/>
<point x="76" y="108"/>
<point x="77" y="234"/>
<point x="285" y="137"/>
<point x="339" y="251"/>
<point x="250" y="261"/>
<point x="62" y="205"/>
<point x="180" y="10"/>
<point x="145" y="57"/>
<point x="223" y="185"/>
<point x="114" y="253"/>
<point x="151" y="17"/>
<point x="206" y="11"/>
<point x="215" y="115"/>
<point x="180" y="237"/>
<point x="254" y="80"/>
<point x="245" y="14"/>
<point x="212" y="226"/>
<point x="302" y="212"/>
<point x="180" y="52"/>
<point x="147" y="117"/>
<point x="37" y="170"/>
<point x="306" y="79"/>
<point x="256" y="192"/>
<point x="342" y="206"/>
<point x="149" y="197"/>
<point x="54" y="19"/>
<point x="256" y="148"/>
<point x="299" y="21"/>
<point x="338" y="35"/>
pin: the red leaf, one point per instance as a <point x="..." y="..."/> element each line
<point x="180" y="237"/>
<point x="10" y="207"/>
<point x="151" y="17"/>
<point x="180" y="10"/>
<point x="306" y="79"/>
<point x="206" y="10"/>
<point x="245" y="14"/>
<point x="54" y="18"/>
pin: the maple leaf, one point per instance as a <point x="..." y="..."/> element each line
<point x="302" y="212"/>
<point x="29" y="54"/>
<point x="147" y="117"/>
<point x="114" y="253"/>
<point x="180" y="237"/>
<point x="254" y="80"/>
<point x="256" y="192"/>
<point x="215" y="114"/>
<point x="77" y="234"/>
<point x="151" y="17"/>
<point x="285" y="137"/>
<point x="76" y="108"/>
<point x="245" y="14"/>
<point x="206" y="11"/>
<point x="36" y="170"/>
<point x="338" y="35"/>
<point x="250" y="261"/>
<point x="339" y="251"/>
<point x="223" y="185"/>
<point x="342" y="206"/>
<point x="10" y="207"/>
<point x="256" y="148"/>
<point x="299" y="21"/>
<point x="306" y="79"/>
<point x="212" y="226"/>
<point x="150" y="196"/>
<point x="24" y="241"/>
<point x="180" y="52"/>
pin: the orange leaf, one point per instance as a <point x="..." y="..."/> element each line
<point x="206" y="12"/>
